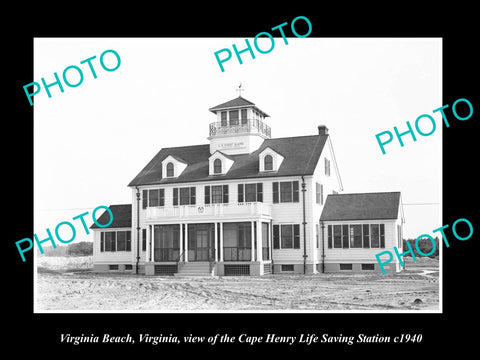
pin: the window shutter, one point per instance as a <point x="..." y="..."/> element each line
<point x="175" y="196"/>
<point x="192" y="195"/>
<point x="102" y="241"/>
<point x="128" y="240"/>
<point x="144" y="199"/>
<point x="296" y="236"/>
<point x="144" y="239"/>
<point x="275" y="192"/>
<point x="225" y="194"/>
<point x="346" y="236"/>
<point x="207" y="194"/>
<point x="382" y="235"/>
<point x="329" y="236"/>
<point x="162" y="197"/>
<point x="276" y="236"/>
<point x="321" y="194"/>
<point x="259" y="192"/>
<point x="366" y="236"/>
<point x="114" y="241"/>
<point x="295" y="191"/>
<point x="240" y="193"/>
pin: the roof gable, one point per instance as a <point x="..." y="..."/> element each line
<point x="122" y="217"/>
<point x="301" y="155"/>
<point x="239" y="101"/>
<point x="361" y="206"/>
<point x="218" y="152"/>
<point x="236" y="103"/>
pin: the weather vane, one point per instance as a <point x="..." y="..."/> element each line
<point x="240" y="90"/>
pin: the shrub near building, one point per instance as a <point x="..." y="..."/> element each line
<point x="425" y="246"/>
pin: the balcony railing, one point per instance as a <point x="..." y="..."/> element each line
<point x="240" y="126"/>
<point x="209" y="211"/>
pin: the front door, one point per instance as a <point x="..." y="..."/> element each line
<point x="200" y="242"/>
<point x="202" y="245"/>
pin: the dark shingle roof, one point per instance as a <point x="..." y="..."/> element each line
<point x="237" y="102"/>
<point x="122" y="217"/>
<point x="361" y="206"/>
<point x="300" y="153"/>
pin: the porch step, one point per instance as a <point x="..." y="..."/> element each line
<point x="194" y="268"/>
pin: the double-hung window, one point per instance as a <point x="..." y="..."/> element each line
<point x="187" y="196"/>
<point x="285" y="191"/>
<point x="286" y="236"/>
<point x="216" y="194"/>
<point x="250" y="192"/>
<point x="153" y="197"/>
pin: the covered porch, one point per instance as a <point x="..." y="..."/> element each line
<point x="215" y="248"/>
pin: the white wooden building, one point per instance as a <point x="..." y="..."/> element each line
<point x="242" y="204"/>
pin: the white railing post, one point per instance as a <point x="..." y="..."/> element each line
<point x="186" y="243"/>
<point x="221" y="241"/>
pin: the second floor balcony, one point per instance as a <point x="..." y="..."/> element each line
<point x="241" y="126"/>
<point x="224" y="211"/>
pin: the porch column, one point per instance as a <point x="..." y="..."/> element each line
<point x="215" y="241"/>
<point x="252" y="247"/>
<point x="259" y="241"/>
<point x="147" y="249"/>
<point x="180" y="250"/>
<point x="270" y="240"/>
<point x="152" y="243"/>
<point x="186" y="243"/>
<point x="221" y="241"/>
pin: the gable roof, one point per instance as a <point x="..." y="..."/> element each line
<point x="122" y="217"/>
<point x="301" y="156"/>
<point x="178" y="158"/>
<point x="268" y="147"/>
<point x="237" y="102"/>
<point x="361" y="206"/>
<point x="223" y="154"/>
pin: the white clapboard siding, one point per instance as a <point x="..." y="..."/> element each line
<point x="111" y="256"/>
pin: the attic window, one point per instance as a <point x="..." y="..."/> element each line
<point x="217" y="166"/>
<point x="170" y="169"/>
<point x="268" y="162"/>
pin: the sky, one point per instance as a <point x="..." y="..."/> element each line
<point x="90" y="141"/>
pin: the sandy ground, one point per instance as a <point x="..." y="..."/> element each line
<point x="69" y="284"/>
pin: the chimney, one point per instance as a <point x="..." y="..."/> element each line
<point x="322" y="130"/>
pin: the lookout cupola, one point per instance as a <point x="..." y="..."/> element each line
<point x="239" y="128"/>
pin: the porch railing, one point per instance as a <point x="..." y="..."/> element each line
<point x="231" y="253"/>
<point x="162" y="255"/>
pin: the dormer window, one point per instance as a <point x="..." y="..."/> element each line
<point x="217" y="166"/>
<point x="269" y="160"/>
<point x="170" y="170"/>
<point x="268" y="163"/>
<point x="173" y="166"/>
<point x="219" y="163"/>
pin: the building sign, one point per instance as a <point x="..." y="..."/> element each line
<point x="232" y="145"/>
